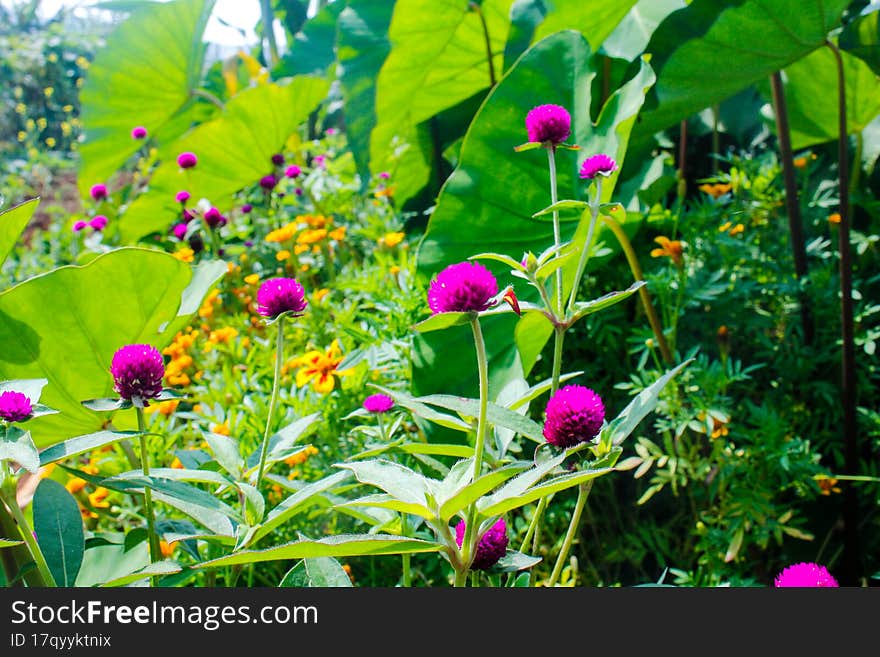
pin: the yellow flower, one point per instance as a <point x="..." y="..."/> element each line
<point x="317" y="295"/>
<point x="176" y="464"/>
<point x="21" y="108"/>
<point x="167" y="549"/>
<point x="384" y="192"/>
<point x="834" y="218"/>
<point x="252" y="279"/>
<point x="50" y="142"/>
<point x="736" y="230"/>
<point x="48" y="91"/>
<point x="300" y="248"/>
<point x="46" y="470"/>
<point x="67" y="109"/>
<point x="82" y="62"/>
<point x="311" y="236"/>
<point x="66" y="128"/>
<point x="301" y="456"/>
<point x="337" y="234"/>
<point x="42" y="123"/>
<point x="282" y="255"/>
<point x="98" y="499"/>
<point x="52" y="57"/>
<point x="800" y="162"/>
<point x="184" y="254"/>
<point x="166" y="408"/>
<point x="394" y="270"/>
<point x="213" y="299"/>
<point x="75" y="485"/>
<point x="220" y="336"/>
<point x="319" y="368"/>
<point x="671" y="248"/>
<point x="827" y="485"/>
<point x="392" y="239"/>
<point x="282" y="234"/>
<point x="715" y="190"/>
<point x="22" y="135"/>
<point x="223" y="429"/>
<point x="313" y="220"/>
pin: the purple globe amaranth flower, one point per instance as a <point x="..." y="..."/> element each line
<point x="384" y="175"/>
<point x="138" y="132"/>
<point x="268" y="182"/>
<point x="79" y="225"/>
<point x="98" y="192"/>
<point x="378" y="403"/>
<point x="492" y="545"/>
<point x="15" y="406"/>
<point x="462" y="287"/>
<point x="277" y="159"/>
<point x="248" y="243"/>
<point x="548" y="124"/>
<point x="182" y="196"/>
<point x="187" y="216"/>
<point x="574" y="415"/>
<point x="319" y="160"/>
<point x="179" y="230"/>
<point x="98" y="222"/>
<point x="597" y="165"/>
<point x="246" y="208"/>
<point x="213" y="218"/>
<point x="280" y="295"/>
<point x="138" y="370"/>
<point x="331" y="131"/>
<point x="292" y="171"/>
<point x="298" y="191"/>
<point x="187" y="160"/>
<point x="805" y="575"/>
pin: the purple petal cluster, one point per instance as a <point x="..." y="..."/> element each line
<point x="492" y="545"/>
<point x="574" y="415"/>
<point x="280" y="295"/>
<point x="462" y="287"/>
<point x="138" y="370"/>
<point x="98" y="192"/>
<point x="79" y="225"/>
<point x="268" y="182"/>
<point x="15" y="406"/>
<point x="213" y="218"/>
<point x="378" y="403"/>
<point x="548" y="124"/>
<point x="182" y="196"/>
<point x="277" y="159"/>
<point x="138" y="132"/>
<point x="187" y="160"/>
<point x="805" y="575"/>
<point x="597" y="165"/>
<point x="98" y="222"/>
<point x="292" y="171"/>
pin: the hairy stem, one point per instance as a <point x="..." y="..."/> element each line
<point x="152" y="536"/>
<point x="273" y="400"/>
<point x="583" y="493"/>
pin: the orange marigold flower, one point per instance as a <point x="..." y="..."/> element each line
<point x="282" y="255"/>
<point x="166" y="408"/>
<point x="252" y="279"/>
<point x="384" y="192"/>
<point x="317" y="295"/>
<point x="185" y="254"/>
<point x="834" y="218"/>
<point x="167" y="549"/>
<point x="715" y="190"/>
<point x="311" y="236"/>
<point x="337" y="234"/>
<point x="827" y="485"/>
<point x="98" y="499"/>
<point x="301" y="456"/>
<point x="668" y="247"/>
<point x="392" y="239"/>
<point x="800" y="162"/>
<point x="283" y="234"/>
<point x="222" y="429"/>
<point x="75" y="485"/>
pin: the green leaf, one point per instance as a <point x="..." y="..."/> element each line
<point x="442" y="321"/>
<point x="17" y="445"/>
<point x="464" y="496"/>
<point x="515" y="561"/>
<point x="643" y="403"/>
<point x="30" y="388"/>
<point x="385" y="501"/>
<point x="225" y="450"/>
<point x="145" y="74"/>
<point x="283" y="444"/>
<point x="106" y="561"/>
<point x="496" y="415"/>
<point x="152" y="570"/>
<point x="584" y="308"/>
<point x="397" y="480"/>
<point x="122" y="297"/>
<point x="317" y="572"/>
<point x="496" y="506"/>
<point x="312" y="49"/>
<point x="5" y="543"/>
<point x="747" y="40"/>
<point x="631" y="36"/>
<point x="860" y="37"/>
<point x="12" y="224"/>
<point x="500" y="257"/>
<point x="344" y="545"/>
<point x="522" y="482"/>
<point x="424" y="75"/>
<point x="59" y="529"/>
<point x="268" y="114"/>
<point x="539" y="389"/>
<point x="426" y="412"/>
<point x="173" y="474"/>
<point x="561" y="206"/>
<point x="81" y="444"/>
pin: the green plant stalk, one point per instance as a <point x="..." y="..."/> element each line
<point x="406" y="576"/>
<point x="468" y="544"/>
<point x="558" y="339"/>
<point x="153" y="537"/>
<point x="583" y="493"/>
<point x="475" y="6"/>
<point x="633" y="261"/>
<point x="595" y="202"/>
<point x="7" y="499"/>
<point x="273" y="400"/>
<point x="268" y="21"/>
<point x="557" y="233"/>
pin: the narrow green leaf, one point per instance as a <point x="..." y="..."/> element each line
<point x="385" y="501"/>
<point x="584" y="308"/>
<point x="539" y="389"/>
<point x="5" y="543"/>
<point x="317" y="572"/>
<point x="226" y="452"/>
<point x="397" y="480"/>
<point x="497" y="415"/>
<point x="560" y="206"/>
<point x="500" y="505"/>
<point x="515" y="561"/>
<point x="425" y="411"/>
<point x="152" y="570"/>
<point x="81" y="444"/>
<point x="59" y="529"/>
<point x="17" y="445"/>
<point x="442" y="321"/>
<point x="470" y="493"/>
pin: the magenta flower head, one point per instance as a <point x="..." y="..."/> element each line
<point x="280" y="295"/>
<point x="98" y="222"/>
<point x="278" y="159"/>
<point x="298" y="191"/>
<point x="378" y="403"/>
<point x="187" y="160"/>
<point x="98" y="192"/>
<point x="292" y="171"/>
<point x="213" y="218"/>
<point x="597" y="165"/>
<point x="805" y="575"/>
<point x="462" y="287"/>
<point x="182" y="196"/>
<point x="548" y="124"/>
<point x="319" y="160"/>
<point x="137" y="371"/>
<point x="179" y="230"/>
<point x="384" y="175"/>
<point x="246" y="208"/>
<point x="492" y="545"/>
<point x="79" y="225"/>
<point x="574" y="415"/>
<point x="15" y="406"/>
<point x="268" y="182"/>
<point x="138" y="132"/>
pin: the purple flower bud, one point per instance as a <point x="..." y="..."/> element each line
<point x="179" y="230"/>
<point x="331" y="131"/>
<point x="98" y="192"/>
<point x="248" y="243"/>
<point x="278" y="159"/>
<point x="246" y="208"/>
<point x="213" y="218"/>
<point x="79" y="225"/>
<point x="280" y="295"/>
<point x="98" y="222"/>
<point x="574" y="415"/>
<point x="292" y="171"/>
<point x="378" y="403"/>
<point x="138" y="370"/>
<point x="462" y="287"/>
<point x="187" y="160"/>
<point x="268" y="182"/>
<point x="597" y="165"/>
<point x="138" y="132"/>
<point x="15" y="406"/>
<point x="805" y="575"/>
<point x="384" y="175"/>
<point x="298" y="191"/>
<point x="319" y="160"/>
<point x="492" y="545"/>
<point x="182" y="196"/>
<point x="187" y="216"/>
<point x="548" y="124"/>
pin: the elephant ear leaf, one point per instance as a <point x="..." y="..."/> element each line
<point x="12" y="224"/>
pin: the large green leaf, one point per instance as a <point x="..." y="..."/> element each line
<point x="362" y="46"/>
<point x="146" y="75"/>
<point x="714" y="48"/>
<point x="59" y="529"/>
<point x="861" y="37"/>
<point x="312" y="51"/>
<point x="12" y="223"/>
<point x="438" y="59"/>
<point x="122" y="297"/>
<point x="317" y="572"/>
<point x="234" y="151"/>
<point x="631" y="36"/>
<point x="811" y="97"/>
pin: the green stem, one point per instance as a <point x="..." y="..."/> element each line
<point x="557" y="233"/>
<point x="558" y="338"/>
<point x="585" y="253"/>
<point x="469" y="542"/>
<point x="27" y="534"/>
<point x="279" y="350"/>
<point x="474" y="6"/>
<point x="268" y="20"/>
<point x="153" y="537"/>
<point x="207" y="95"/>
<point x="406" y="576"/>
<point x="583" y="493"/>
